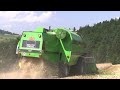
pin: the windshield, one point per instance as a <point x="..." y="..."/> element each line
<point x="31" y="44"/>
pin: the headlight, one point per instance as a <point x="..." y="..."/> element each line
<point x="39" y="35"/>
<point x="24" y="35"/>
<point x="23" y="53"/>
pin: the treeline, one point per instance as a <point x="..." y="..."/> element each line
<point x="103" y="40"/>
<point x="7" y="32"/>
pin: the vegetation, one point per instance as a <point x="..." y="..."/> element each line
<point x="8" y="43"/>
<point x="103" y="40"/>
<point x="6" y="32"/>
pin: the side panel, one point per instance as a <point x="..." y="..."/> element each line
<point x="65" y="48"/>
<point x="51" y="43"/>
<point x="75" y="53"/>
<point x="51" y="46"/>
<point x="52" y="57"/>
<point x="76" y="48"/>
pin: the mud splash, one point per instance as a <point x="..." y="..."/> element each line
<point x="32" y="69"/>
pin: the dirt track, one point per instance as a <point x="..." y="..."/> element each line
<point x="107" y="71"/>
<point x="30" y="70"/>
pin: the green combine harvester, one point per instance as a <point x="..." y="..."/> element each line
<point x="59" y="46"/>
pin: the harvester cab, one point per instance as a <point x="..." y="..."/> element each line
<point x="30" y="44"/>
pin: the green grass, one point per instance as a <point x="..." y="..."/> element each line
<point x="7" y="37"/>
<point x="8" y="55"/>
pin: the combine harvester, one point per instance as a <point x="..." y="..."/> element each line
<point x="59" y="46"/>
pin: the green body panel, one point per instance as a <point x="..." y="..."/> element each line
<point x="58" y="45"/>
<point x="39" y="30"/>
<point x="76" y="37"/>
<point x="51" y="43"/>
<point x="66" y="47"/>
<point x="30" y="54"/>
<point x="53" y="57"/>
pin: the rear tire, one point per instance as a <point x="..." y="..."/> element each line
<point x="64" y="70"/>
<point x="85" y="65"/>
<point x="78" y="68"/>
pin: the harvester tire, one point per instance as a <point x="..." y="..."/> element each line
<point x="85" y="65"/>
<point x="80" y="66"/>
<point x="78" y="69"/>
<point x="63" y="70"/>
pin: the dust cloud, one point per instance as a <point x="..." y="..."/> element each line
<point x="31" y="69"/>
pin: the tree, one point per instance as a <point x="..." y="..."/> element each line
<point x="49" y="27"/>
<point x="74" y="29"/>
<point x="103" y="39"/>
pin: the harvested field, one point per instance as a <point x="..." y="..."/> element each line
<point x="106" y="71"/>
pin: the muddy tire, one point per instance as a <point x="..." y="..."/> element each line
<point x="85" y="65"/>
<point x="78" y="68"/>
<point x="64" y="70"/>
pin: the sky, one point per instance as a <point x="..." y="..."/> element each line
<point x="18" y="21"/>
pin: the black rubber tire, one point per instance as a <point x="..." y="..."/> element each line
<point x="64" y="70"/>
<point x="82" y="66"/>
<point x="78" y="69"/>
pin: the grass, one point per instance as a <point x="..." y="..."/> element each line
<point x="7" y="50"/>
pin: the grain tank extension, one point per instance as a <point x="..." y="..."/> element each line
<point x="60" y="46"/>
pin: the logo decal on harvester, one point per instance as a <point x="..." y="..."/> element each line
<point x="31" y="38"/>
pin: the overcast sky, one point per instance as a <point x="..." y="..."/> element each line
<point x="18" y="21"/>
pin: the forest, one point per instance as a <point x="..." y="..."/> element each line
<point x="102" y="40"/>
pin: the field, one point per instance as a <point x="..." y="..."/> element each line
<point x="8" y="59"/>
<point x="7" y="37"/>
<point x="106" y="71"/>
<point x="7" y="50"/>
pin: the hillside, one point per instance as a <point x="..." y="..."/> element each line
<point x="103" y="40"/>
<point x="8" y="42"/>
<point x="5" y="32"/>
